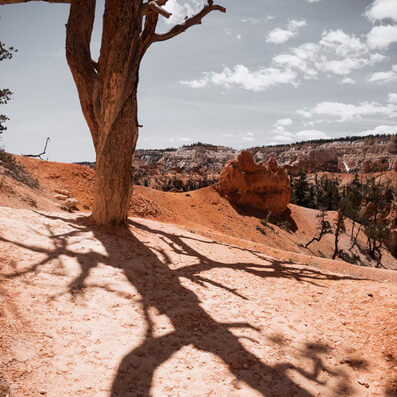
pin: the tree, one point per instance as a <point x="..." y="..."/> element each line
<point x="5" y="93"/>
<point x="107" y="87"/>
<point x="300" y="189"/>
<point x="376" y="233"/>
<point x="378" y="199"/>
<point x="324" y="227"/>
<point x="354" y="196"/>
<point x="342" y="211"/>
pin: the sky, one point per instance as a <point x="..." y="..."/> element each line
<point x="266" y="72"/>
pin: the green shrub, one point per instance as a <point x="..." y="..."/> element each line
<point x="17" y="171"/>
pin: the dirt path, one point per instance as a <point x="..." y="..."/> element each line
<point x="156" y="310"/>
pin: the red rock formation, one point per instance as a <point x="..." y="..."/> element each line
<point x="257" y="186"/>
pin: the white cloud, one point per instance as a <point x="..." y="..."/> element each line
<point x="248" y="136"/>
<point x="282" y="135"/>
<point x="230" y="33"/>
<point x="252" y="21"/>
<point x="382" y="9"/>
<point x="304" y="113"/>
<point x="240" y="76"/>
<point x="181" y="11"/>
<point x="283" y="122"/>
<point x="380" y="37"/>
<point x="310" y="134"/>
<point x="347" y="112"/>
<point x="195" y="83"/>
<point x="336" y="53"/>
<point x="392" y="98"/>
<point x="313" y="1"/>
<point x="380" y="130"/>
<point x="279" y="35"/>
<point x="181" y="139"/>
<point x="341" y="43"/>
<point x="348" y="80"/>
<point x="385" y="76"/>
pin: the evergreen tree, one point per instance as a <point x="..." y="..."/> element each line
<point x="5" y="93"/>
<point x="300" y="189"/>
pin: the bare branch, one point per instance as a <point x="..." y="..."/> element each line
<point x="146" y="36"/>
<point x="156" y="7"/>
<point x="43" y="152"/>
<point x="194" y="20"/>
<point x="2" y="2"/>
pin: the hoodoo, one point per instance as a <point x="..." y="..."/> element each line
<point x="253" y="185"/>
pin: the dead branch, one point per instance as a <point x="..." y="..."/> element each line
<point x="155" y="6"/>
<point x="39" y="155"/>
<point x="194" y="20"/>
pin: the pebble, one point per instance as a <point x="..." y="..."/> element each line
<point x="363" y="382"/>
<point x="61" y="197"/>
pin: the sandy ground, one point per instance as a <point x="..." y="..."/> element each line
<point x="155" y="309"/>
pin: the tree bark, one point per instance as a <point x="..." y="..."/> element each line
<point x="113" y="183"/>
<point x="108" y="96"/>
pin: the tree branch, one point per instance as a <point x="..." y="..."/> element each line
<point x="194" y="20"/>
<point x="40" y="154"/>
<point x="78" y="54"/>
<point x="2" y="2"/>
<point x="146" y="36"/>
<point x="155" y="5"/>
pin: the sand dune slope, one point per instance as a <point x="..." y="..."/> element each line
<point x="157" y="310"/>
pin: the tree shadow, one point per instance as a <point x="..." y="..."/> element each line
<point x="285" y="219"/>
<point x="148" y="269"/>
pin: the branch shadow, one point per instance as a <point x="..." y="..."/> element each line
<point x="148" y="269"/>
<point x="285" y="218"/>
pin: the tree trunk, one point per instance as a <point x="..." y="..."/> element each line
<point x="113" y="183"/>
<point x="337" y="232"/>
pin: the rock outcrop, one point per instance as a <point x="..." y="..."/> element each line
<point x="263" y="187"/>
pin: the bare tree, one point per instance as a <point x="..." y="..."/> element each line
<point x="40" y="154"/>
<point x="108" y="88"/>
<point x="339" y="228"/>
<point x="324" y="227"/>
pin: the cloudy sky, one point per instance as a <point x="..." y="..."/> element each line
<point x="266" y="72"/>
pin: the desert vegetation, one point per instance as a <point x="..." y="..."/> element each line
<point x="367" y="202"/>
<point x="10" y="167"/>
<point x="5" y="93"/>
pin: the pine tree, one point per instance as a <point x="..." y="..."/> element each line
<point x="5" y="93"/>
